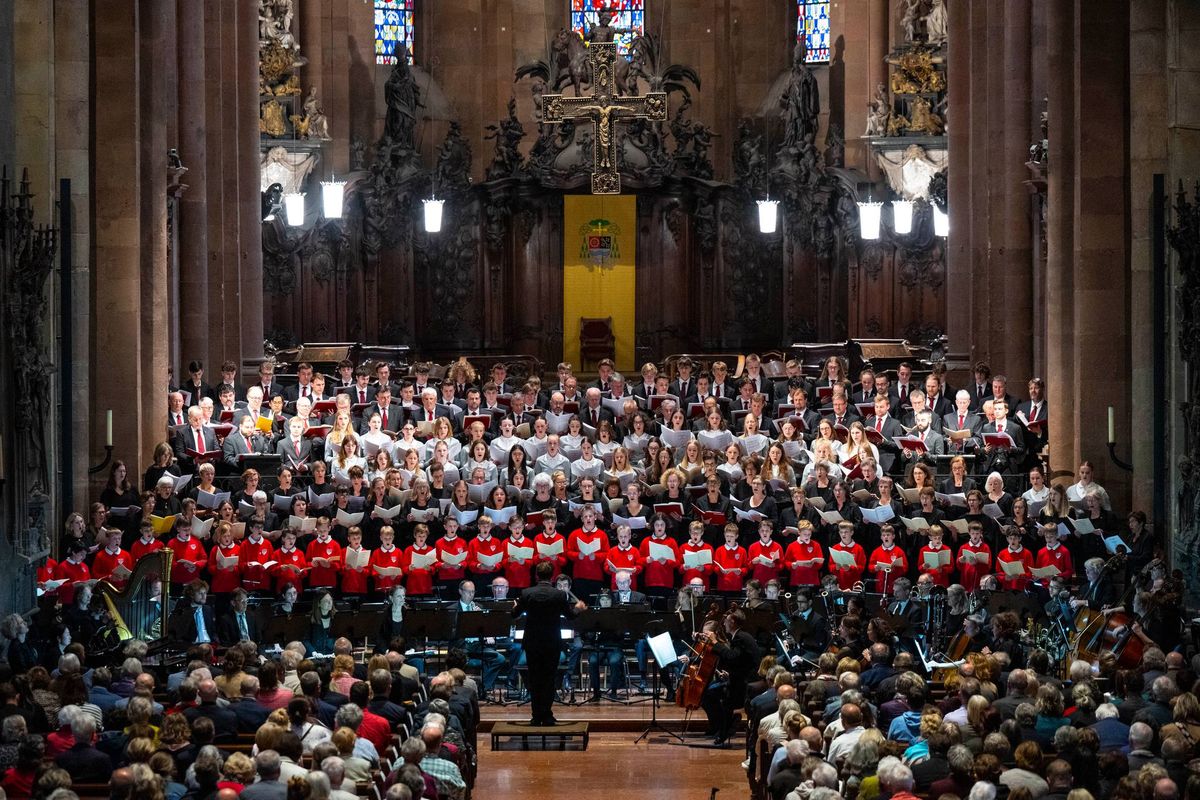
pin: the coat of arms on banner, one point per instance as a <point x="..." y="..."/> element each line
<point x="599" y="242"/>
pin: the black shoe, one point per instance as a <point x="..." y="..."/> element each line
<point x="670" y="696"/>
<point x="551" y="722"/>
<point x="612" y="695"/>
<point x="722" y="742"/>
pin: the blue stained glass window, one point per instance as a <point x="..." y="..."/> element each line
<point x="393" y="27"/>
<point x="812" y="23"/>
<point x="630" y="18"/>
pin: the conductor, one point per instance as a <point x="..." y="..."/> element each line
<point x="544" y="607"/>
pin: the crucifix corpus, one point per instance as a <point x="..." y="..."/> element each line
<point x="603" y="108"/>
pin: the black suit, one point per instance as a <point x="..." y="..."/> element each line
<point x="395" y="417"/>
<point x="635" y="598"/>
<point x="286" y="448"/>
<point x="940" y="406"/>
<point x="585" y="415"/>
<point x="228" y="630"/>
<point x="225" y="720"/>
<point x="1004" y="460"/>
<point x="182" y="624"/>
<point x="544" y="607"/>
<point x="185" y="439"/>
<point x="1099" y="594"/>
<point x="887" y="448"/>
<point x="275" y="388"/>
<point x="971" y="422"/>
<point x="368" y="393"/>
<point x="86" y="764"/>
<point x="197" y="393"/>
<point x="235" y="446"/>
<point x="681" y="389"/>
<point x="250" y="713"/>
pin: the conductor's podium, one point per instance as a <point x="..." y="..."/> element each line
<point x="526" y="732"/>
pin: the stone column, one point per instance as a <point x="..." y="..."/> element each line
<point x="6" y="85"/>
<point x="116" y="324"/>
<point x="72" y="111"/>
<point x="248" y="210"/>
<point x="1060" y="238"/>
<point x="218" y="167"/>
<point x="155" y="41"/>
<point x="1148" y="154"/>
<point x="192" y="221"/>
<point x="1101" y="245"/>
<point x="1015" y="259"/>
<point x="958" y="244"/>
<point x="979" y="134"/>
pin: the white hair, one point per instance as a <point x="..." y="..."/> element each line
<point x="982" y="791"/>
<point x="1107" y="711"/>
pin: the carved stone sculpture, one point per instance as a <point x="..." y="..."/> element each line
<point x="937" y="26"/>
<point x="801" y="104"/>
<point x="316" y="123"/>
<point x="402" y="97"/>
<point x="880" y="114"/>
<point x="507" y="134"/>
<point x="910" y="21"/>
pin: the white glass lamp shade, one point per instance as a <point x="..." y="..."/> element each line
<point x="941" y="222"/>
<point x="768" y="215"/>
<point x="902" y="216"/>
<point x="433" y="215"/>
<point x="333" y="194"/>
<point x="293" y="207"/>
<point x="869" y="215"/>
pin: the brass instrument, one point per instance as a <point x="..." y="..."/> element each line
<point x="135" y="611"/>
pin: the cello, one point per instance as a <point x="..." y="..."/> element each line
<point x="1108" y="631"/>
<point x="701" y="666"/>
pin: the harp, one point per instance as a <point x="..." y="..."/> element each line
<point x="139" y="611"/>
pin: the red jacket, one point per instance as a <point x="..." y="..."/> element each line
<point x="702" y="572"/>
<point x="420" y="581"/>
<point x="970" y="574"/>
<point x="848" y="576"/>
<point x="657" y="573"/>
<point x="354" y="581"/>
<point x="801" y="551"/>
<point x="228" y="579"/>
<point x="942" y="575"/>
<point x="618" y="560"/>
<point x="761" y="572"/>
<point x="105" y="562"/>
<point x="735" y="560"/>
<point x="324" y="576"/>
<point x="899" y="566"/>
<point x="590" y="569"/>
<point x="251" y="558"/>
<point x="285" y="576"/>
<point x="478" y="547"/>
<point x="191" y="551"/>
<point x="449" y="572"/>
<point x="1017" y="584"/>
<point x="392" y="558"/>
<point x="519" y="573"/>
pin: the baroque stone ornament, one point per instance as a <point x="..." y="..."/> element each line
<point x="27" y="253"/>
<point x="395" y="172"/>
<point x="507" y="134"/>
<point x="1184" y="238"/>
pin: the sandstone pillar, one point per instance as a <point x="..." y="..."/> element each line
<point x="193" y="215"/>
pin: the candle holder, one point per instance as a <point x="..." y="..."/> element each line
<point x="1112" y="454"/>
<point x="103" y="465"/>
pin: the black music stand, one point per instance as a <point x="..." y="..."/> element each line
<point x="429" y="624"/>
<point x="658" y="647"/>
<point x="283" y="629"/>
<point x="360" y="625"/>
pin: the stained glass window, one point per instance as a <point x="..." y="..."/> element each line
<point x="393" y="27"/>
<point x="812" y="22"/>
<point x="629" y="19"/>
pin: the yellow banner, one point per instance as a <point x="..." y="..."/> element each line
<point x="599" y="278"/>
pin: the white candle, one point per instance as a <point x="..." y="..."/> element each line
<point x="108" y="432"/>
<point x="1112" y="431"/>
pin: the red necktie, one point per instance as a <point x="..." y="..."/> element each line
<point x="200" y="441"/>
<point x="1000" y="428"/>
<point x="384" y="419"/>
<point x="248" y="447"/>
<point x="362" y="397"/>
<point x="297" y="447"/>
<point x="595" y="417"/>
<point x="1033" y="416"/>
<point x="879" y="424"/>
<point x="961" y="422"/>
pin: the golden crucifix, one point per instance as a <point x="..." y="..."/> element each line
<point x="603" y="108"/>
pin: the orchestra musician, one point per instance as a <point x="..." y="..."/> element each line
<point x="737" y="657"/>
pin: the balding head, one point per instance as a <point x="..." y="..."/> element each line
<point x="786" y="692"/>
<point x="227" y="794"/>
<point x="811" y="736"/>
<point x="851" y="716"/>
<point x="431" y="735"/>
<point x="207" y="690"/>
<point x="1166" y="789"/>
<point x="249" y="685"/>
<point x="144" y="682"/>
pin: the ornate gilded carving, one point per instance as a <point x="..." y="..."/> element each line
<point x="916" y="73"/>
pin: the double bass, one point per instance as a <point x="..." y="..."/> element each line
<point x="1107" y="631"/>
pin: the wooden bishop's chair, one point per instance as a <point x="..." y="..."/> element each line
<point x="596" y="340"/>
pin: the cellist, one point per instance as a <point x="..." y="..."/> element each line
<point x="737" y="657"/>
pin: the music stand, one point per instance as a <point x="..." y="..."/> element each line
<point x="429" y="623"/>
<point x="285" y="629"/>
<point x="359" y="625"/>
<point x="483" y="624"/>
<point x="663" y="650"/>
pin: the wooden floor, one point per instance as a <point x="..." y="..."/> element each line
<point x="612" y="763"/>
